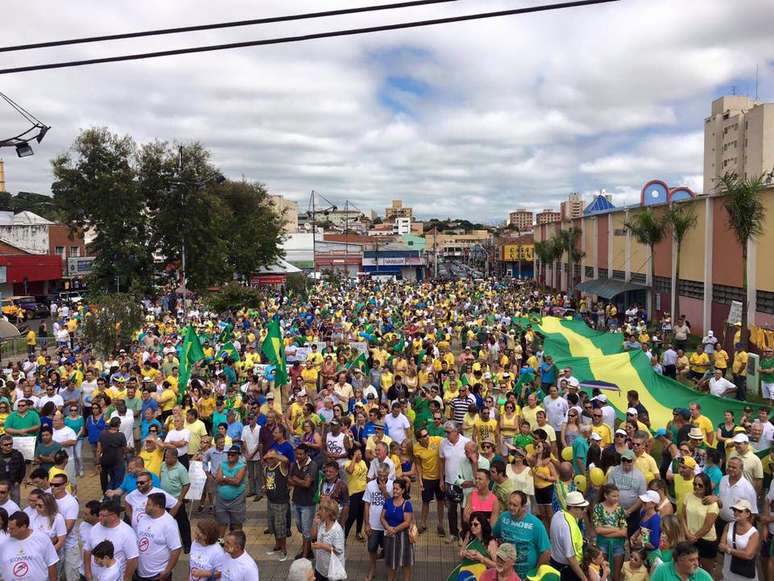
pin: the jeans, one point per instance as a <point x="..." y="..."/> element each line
<point x="69" y="562"/>
<point x="452" y="509"/>
<point x="78" y="455"/>
<point x="184" y="526"/>
<point x="304" y="519"/>
<point x="254" y="477"/>
<point x="355" y="513"/>
<point x="111" y="477"/>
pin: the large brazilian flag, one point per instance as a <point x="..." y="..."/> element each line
<point x="470" y="570"/>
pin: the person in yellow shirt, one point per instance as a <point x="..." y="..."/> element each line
<point x="315" y="357"/>
<point x="720" y="359"/>
<point x="704" y="423"/>
<point x="739" y="370"/>
<point x="152" y="455"/>
<point x="427" y="456"/>
<point x="166" y="400"/>
<point x="309" y="376"/>
<point x="31" y="339"/>
<point x="388" y="379"/>
<point x="699" y="363"/>
<point x="356" y="472"/>
<point x="643" y="461"/>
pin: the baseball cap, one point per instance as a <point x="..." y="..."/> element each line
<point x="620" y="432"/>
<point x="631" y="412"/>
<point x="235" y="450"/>
<point x="649" y="496"/>
<point x="506" y="552"/>
<point x="689" y="462"/>
<point x="596" y="437"/>
<point x="742" y="504"/>
<point x="627" y="455"/>
<point x="660" y="433"/>
<point x="270" y="395"/>
<point x="601" y="397"/>
<point x="741" y="439"/>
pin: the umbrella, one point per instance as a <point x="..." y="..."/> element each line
<point x="7" y="330"/>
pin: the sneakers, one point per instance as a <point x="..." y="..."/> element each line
<point x="272" y="552"/>
<point x="283" y="557"/>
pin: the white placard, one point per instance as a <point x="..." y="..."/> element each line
<point x="25" y="445"/>
<point x="735" y="313"/>
<point x="198" y="480"/>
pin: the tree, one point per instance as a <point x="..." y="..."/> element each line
<point x="233" y="297"/>
<point x="649" y="230"/>
<point x="252" y="227"/>
<point x="679" y="219"/>
<point x="112" y="321"/>
<point x="566" y="240"/>
<point x="95" y="188"/>
<point x="746" y="215"/>
<point x="543" y="252"/>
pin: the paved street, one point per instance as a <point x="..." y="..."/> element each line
<point x="434" y="558"/>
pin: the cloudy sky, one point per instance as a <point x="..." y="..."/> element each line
<point x="466" y="120"/>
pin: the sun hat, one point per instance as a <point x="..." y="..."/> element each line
<point x="576" y="499"/>
<point x="650" y="496"/>
<point x="696" y="433"/>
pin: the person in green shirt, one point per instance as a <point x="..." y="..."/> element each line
<point x="526" y="532"/>
<point x="45" y="449"/>
<point x="767" y="374"/>
<point x="175" y="481"/>
<point x="24" y="421"/>
<point x="435" y="427"/>
<point x="683" y="567"/>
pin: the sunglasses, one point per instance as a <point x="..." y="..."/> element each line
<point x="626" y="460"/>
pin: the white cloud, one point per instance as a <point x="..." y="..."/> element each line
<point x="491" y="115"/>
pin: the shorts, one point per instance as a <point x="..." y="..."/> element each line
<point x="767" y="390"/>
<point x="230" y="512"/>
<point x="431" y="489"/>
<point x="707" y="549"/>
<point x="304" y="519"/>
<point x="278" y="520"/>
<point x="544" y="495"/>
<point x="612" y="547"/>
<point x="768" y="547"/>
<point x="375" y="540"/>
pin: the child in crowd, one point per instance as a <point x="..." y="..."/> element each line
<point x="103" y="556"/>
<point x="634" y="569"/>
<point x="597" y="567"/>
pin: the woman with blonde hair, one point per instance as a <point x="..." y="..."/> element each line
<point x="47" y="519"/>
<point x="330" y="538"/>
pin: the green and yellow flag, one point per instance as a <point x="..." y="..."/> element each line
<point x="228" y="350"/>
<point x="190" y="353"/>
<point x="274" y="349"/>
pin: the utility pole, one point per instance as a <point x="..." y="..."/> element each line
<point x="182" y="230"/>
<point x="314" y="233"/>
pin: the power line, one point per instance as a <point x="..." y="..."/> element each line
<point x="215" y="26"/>
<point x="305" y="37"/>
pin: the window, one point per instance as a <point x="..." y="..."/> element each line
<point x="589" y="271"/>
<point x="661" y="284"/>
<point x="602" y="274"/>
<point x="59" y="250"/>
<point x="725" y="294"/>
<point x="693" y="289"/>
<point x="638" y="278"/>
<point x="619" y="232"/>
<point x="765" y="302"/>
<point x="75" y="250"/>
<point x="619" y="275"/>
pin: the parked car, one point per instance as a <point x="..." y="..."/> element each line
<point x="23" y="307"/>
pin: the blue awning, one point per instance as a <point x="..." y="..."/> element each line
<point x="607" y="288"/>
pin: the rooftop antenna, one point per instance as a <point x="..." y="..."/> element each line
<point x="756" y="82"/>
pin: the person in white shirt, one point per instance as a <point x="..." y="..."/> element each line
<point x="556" y="408"/>
<point x="111" y="528"/>
<point x="237" y="564"/>
<point x="397" y="424"/>
<point x="66" y="437"/>
<point x="452" y="453"/>
<point x="178" y="438"/>
<point x="104" y="556"/>
<point x="137" y="499"/>
<point x="733" y="487"/>
<point x="127" y="422"/>
<point x="51" y="395"/>
<point x="381" y="457"/>
<point x="45" y="518"/>
<point x="251" y="450"/>
<point x="720" y="386"/>
<point x="90" y="518"/>
<point x="6" y="502"/>
<point x="158" y="540"/>
<point x="67" y="505"/>
<point x="206" y="558"/>
<point x="27" y="555"/>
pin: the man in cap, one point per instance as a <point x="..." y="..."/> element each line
<point x="630" y="483"/>
<point x="752" y="467"/>
<point x="567" y="538"/>
<point x="767" y="374"/>
<point x="505" y="558"/>
<point x="452" y="454"/>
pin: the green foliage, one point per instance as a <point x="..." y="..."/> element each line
<point x="297" y="284"/>
<point x="679" y="220"/>
<point x="96" y="189"/>
<point x="112" y="321"/>
<point x="147" y="203"/>
<point x="646" y="227"/>
<point x="233" y="297"/>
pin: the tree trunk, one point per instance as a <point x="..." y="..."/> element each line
<point x="743" y="328"/>
<point x="676" y="314"/>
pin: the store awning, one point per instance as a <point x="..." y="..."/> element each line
<point x="607" y="288"/>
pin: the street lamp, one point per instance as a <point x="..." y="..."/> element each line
<point x="36" y="132"/>
<point x="313" y="210"/>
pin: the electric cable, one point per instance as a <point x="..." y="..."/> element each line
<point x="219" y="25"/>
<point x="305" y="37"/>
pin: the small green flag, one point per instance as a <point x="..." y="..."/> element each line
<point x="361" y="361"/>
<point x="226" y="334"/>
<point x="228" y="350"/>
<point x="190" y="353"/>
<point x="400" y="345"/>
<point x="274" y="349"/>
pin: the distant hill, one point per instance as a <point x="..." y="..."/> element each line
<point x="39" y="204"/>
<point x="451" y="224"/>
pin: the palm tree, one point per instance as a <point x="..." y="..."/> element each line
<point x="646" y="227"/>
<point x="746" y="214"/>
<point x="566" y="241"/>
<point x="679" y="219"/>
<point x="543" y="253"/>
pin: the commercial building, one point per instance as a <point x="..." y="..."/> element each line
<point x="456" y="244"/>
<point x="616" y="267"/>
<point x="738" y="138"/>
<point x="547" y="216"/>
<point x="396" y="260"/>
<point x="517" y="255"/>
<point x="522" y="219"/>
<point x="397" y="210"/>
<point x="571" y="208"/>
<point x="287" y="210"/>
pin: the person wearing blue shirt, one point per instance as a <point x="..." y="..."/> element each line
<point x="234" y="429"/>
<point x="526" y="533"/>
<point x="148" y="420"/>
<point x="547" y="371"/>
<point x="148" y="402"/>
<point x="129" y="483"/>
<point x="281" y="447"/>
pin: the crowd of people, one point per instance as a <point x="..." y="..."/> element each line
<point x="399" y="396"/>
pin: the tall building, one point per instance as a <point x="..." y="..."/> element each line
<point x="522" y="218"/>
<point x="397" y="210"/>
<point x="2" y="176"/>
<point x="547" y="216"/>
<point x="572" y="208"/>
<point x="738" y="138"/>
<point x="288" y="210"/>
